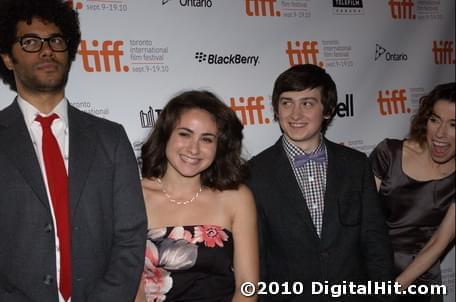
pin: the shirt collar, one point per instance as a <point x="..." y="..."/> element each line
<point x="30" y="112"/>
<point x="292" y="150"/>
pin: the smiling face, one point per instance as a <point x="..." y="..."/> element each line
<point x="43" y="71"/>
<point x="192" y="145"/>
<point x="440" y="132"/>
<point x="300" y="115"/>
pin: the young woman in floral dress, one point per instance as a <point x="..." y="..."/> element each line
<point x="202" y="238"/>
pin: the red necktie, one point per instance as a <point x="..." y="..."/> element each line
<point x="58" y="187"/>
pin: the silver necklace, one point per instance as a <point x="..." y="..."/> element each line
<point x="178" y="202"/>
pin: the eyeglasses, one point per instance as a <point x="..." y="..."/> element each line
<point x="32" y="43"/>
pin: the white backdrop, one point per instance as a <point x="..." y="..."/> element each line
<point x="383" y="55"/>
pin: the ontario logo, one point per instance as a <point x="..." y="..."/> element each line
<point x="190" y="3"/>
<point x="230" y="59"/>
<point x="382" y="52"/>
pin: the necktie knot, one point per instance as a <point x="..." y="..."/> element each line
<point x="46" y="122"/>
<point x="301" y="159"/>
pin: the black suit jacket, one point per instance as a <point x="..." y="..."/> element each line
<point x="108" y="222"/>
<point x="354" y="243"/>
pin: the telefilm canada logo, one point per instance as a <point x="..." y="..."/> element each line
<point x="389" y="56"/>
<point x="222" y="59"/>
<point x="348" y="7"/>
<point x="190" y="3"/>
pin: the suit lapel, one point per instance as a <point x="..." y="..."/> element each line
<point x="334" y="181"/>
<point x="292" y="195"/>
<point x="81" y="154"/>
<point x="18" y="147"/>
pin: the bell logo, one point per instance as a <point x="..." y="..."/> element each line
<point x="95" y="60"/>
<point x="392" y="102"/>
<point x="248" y="112"/>
<point x="256" y="8"/>
<point x="402" y="9"/>
<point x="345" y="109"/>
<point x="443" y="52"/>
<point x="305" y="53"/>
<point x="77" y="6"/>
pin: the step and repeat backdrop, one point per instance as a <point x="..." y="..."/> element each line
<point x="383" y="55"/>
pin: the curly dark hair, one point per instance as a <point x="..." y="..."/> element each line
<point x="228" y="170"/>
<point x="418" y="125"/>
<point x="57" y="12"/>
<point x="307" y="76"/>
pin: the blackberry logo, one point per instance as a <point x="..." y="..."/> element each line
<point x="389" y="56"/>
<point x="231" y="59"/>
<point x="201" y="56"/>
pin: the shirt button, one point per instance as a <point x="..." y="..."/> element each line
<point x="48" y="279"/>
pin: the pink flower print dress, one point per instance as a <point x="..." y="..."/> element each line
<point x="189" y="263"/>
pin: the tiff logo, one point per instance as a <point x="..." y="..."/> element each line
<point x="392" y="102"/>
<point x="402" y="9"/>
<point x="77" y="6"/>
<point x="101" y="59"/>
<point x="443" y="52"/>
<point x="305" y="53"/>
<point x="261" y="8"/>
<point x="248" y="112"/>
<point x="148" y="119"/>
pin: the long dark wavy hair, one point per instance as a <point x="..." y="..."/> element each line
<point x="228" y="170"/>
<point x="53" y="11"/>
<point x="418" y="126"/>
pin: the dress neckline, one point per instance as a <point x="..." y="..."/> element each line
<point x="190" y="226"/>
<point x="401" y="153"/>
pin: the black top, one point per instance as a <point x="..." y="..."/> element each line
<point x="413" y="209"/>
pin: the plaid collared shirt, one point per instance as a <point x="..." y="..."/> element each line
<point x="311" y="179"/>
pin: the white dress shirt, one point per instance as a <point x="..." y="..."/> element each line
<point x="59" y="128"/>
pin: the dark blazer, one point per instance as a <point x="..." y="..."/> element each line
<point x="354" y="243"/>
<point x="108" y="222"/>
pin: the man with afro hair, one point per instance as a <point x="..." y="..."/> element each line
<point x="72" y="218"/>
